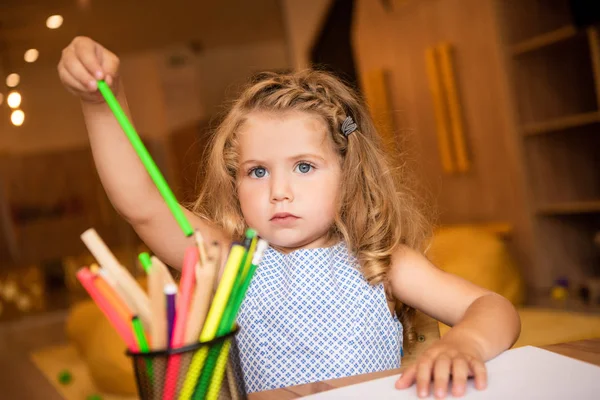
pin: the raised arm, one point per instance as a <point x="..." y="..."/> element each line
<point x="125" y="180"/>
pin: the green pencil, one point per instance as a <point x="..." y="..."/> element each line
<point x="138" y="145"/>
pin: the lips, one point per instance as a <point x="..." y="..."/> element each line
<point x="284" y="220"/>
<point x="283" y="217"/>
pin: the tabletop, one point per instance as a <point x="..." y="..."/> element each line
<point x="584" y="350"/>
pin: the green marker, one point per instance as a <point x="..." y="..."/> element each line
<point x="139" y="334"/>
<point x="145" y="261"/>
<point x="241" y="293"/>
<point x="153" y="171"/>
<point x="140" y="337"/>
<point x="249" y="244"/>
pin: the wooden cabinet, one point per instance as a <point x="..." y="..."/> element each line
<point x="525" y="85"/>
<point x="554" y="65"/>
<point x="464" y="29"/>
<point x="491" y="188"/>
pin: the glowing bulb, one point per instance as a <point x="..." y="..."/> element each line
<point x="14" y="100"/>
<point x="54" y="21"/>
<point x="13" y="80"/>
<point x="31" y="55"/>
<point x="17" y="117"/>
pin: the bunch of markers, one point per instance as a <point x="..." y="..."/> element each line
<point x="179" y="336"/>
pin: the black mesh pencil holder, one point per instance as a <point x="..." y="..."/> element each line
<point x="199" y="371"/>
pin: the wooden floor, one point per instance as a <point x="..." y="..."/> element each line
<point x="19" y="377"/>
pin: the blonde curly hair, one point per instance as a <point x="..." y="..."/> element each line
<point x="377" y="212"/>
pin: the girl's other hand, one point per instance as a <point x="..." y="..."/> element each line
<point x="439" y="363"/>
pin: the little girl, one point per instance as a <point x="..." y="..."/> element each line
<point x="298" y="159"/>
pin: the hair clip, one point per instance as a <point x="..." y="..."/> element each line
<point x="348" y="126"/>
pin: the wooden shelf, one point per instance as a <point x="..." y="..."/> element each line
<point x="562" y="123"/>
<point x="570" y="208"/>
<point x="543" y="40"/>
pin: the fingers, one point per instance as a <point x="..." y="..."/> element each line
<point x="110" y="66"/>
<point x="441" y="376"/>
<point x="85" y="82"/>
<point x="424" y="376"/>
<point x="83" y="63"/>
<point x="460" y="373"/>
<point x="86" y="52"/>
<point x="479" y="373"/>
<point x="407" y="378"/>
<point x="71" y="83"/>
<point x="440" y="368"/>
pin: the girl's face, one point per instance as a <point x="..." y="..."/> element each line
<point x="288" y="179"/>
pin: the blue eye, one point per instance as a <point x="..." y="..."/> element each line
<point x="258" y="172"/>
<point x="304" y="168"/>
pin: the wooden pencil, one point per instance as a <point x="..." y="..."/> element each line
<point x="205" y="282"/>
<point x="158" y="327"/>
<point x="201" y="249"/>
<point x="158" y="305"/>
<point x="231" y="381"/>
<point x="129" y="288"/>
<point x="167" y="277"/>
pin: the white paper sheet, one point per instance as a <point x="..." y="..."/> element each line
<point x="523" y="373"/>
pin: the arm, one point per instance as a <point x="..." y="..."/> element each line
<point x="484" y="323"/>
<point x="131" y="190"/>
<point x="125" y="180"/>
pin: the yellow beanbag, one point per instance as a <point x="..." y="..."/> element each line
<point x="479" y="257"/>
<point x="482" y="258"/>
<point x="102" y="349"/>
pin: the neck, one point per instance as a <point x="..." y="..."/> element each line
<point x="322" y="242"/>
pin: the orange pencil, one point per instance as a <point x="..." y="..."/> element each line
<point x="112" y="297"/>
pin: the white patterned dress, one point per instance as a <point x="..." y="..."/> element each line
<point x="310" y="315"/>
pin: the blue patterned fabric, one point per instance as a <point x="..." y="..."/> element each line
<point x="309" y="316"/>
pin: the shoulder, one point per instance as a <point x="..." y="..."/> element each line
<point x="405" y="258"/>
<point x="409" y="269"/>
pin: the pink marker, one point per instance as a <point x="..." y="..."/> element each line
<point x="186" y="292"/>
<point x="86" y="278"/>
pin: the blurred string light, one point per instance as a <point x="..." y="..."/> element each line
<point x="13" y="80"/>
<point x="14" y="100"/>
<point x="31" y="55"/>
<point x="54" y="21"/>
<point x="17" y="117"/>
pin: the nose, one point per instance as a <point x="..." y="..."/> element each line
<point x="281" y="189"/>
